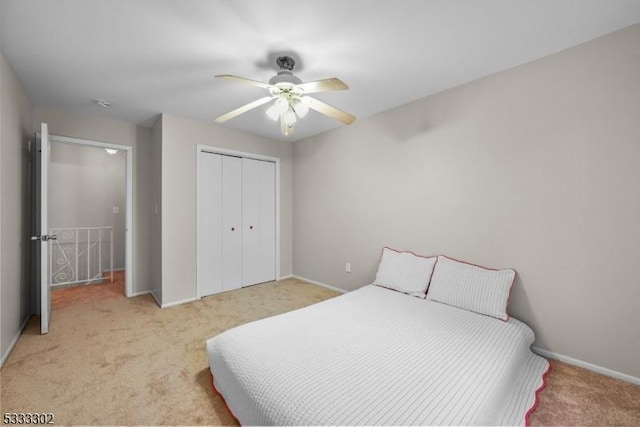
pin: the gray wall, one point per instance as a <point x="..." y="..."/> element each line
<point x="15" y="219"/>
<point x="75" y="125"/>
<point x="179" y="140"/>
<point x="86" y="183"/>
<point x="535" y="168"/>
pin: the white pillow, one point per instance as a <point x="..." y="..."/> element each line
<point x="405" y="272"/>
<point x="471" y="287"/>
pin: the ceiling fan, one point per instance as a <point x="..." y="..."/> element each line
<point x="290" y="97"/>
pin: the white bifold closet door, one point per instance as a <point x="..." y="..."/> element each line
<point x="231" y="223"/>
<point x="258" y="221"/>
<point x="236" y="222"/>
<point x="209" y="226"/>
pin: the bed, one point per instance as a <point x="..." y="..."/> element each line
<point x="376" y="356"/>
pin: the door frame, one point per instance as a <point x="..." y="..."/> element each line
<point x="202" y="148"/>
<point x="43" y="251"/>
<point x="129" y="228"/>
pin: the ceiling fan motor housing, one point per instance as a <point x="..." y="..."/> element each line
<point x="285" y="76"/>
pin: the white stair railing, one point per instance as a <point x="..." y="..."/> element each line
<point x="77" y="254"/>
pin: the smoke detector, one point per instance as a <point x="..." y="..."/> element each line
<point x="102" y="103"/>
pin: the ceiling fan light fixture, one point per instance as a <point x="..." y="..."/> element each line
<point x="273" y="113"/>
<point x="289" y="118"/>
<point x="281" y="106"/>
<point x="301" y="109"/>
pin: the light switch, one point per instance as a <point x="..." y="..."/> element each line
<point x="116" y="209"/>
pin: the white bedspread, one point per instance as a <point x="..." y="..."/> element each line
<point x="377" y="357"/>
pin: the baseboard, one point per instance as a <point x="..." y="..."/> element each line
<point x="14" y="341"/>
<point x="184" y="301"/>
<point x="290" y="276"/>
<point x="153" y="294"/>
<point x="586" y="365"/>
<point x="333" y="288"/>
<point x="137" y="294"/>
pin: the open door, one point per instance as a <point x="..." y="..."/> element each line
<point x="42" y="226"/>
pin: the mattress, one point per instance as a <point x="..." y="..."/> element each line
<point x="378" y="357"/>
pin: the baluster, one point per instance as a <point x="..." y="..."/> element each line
<point x="100" y="252"/>
<point x="76" y="273"/>
<point x="88" y="255"/>
<point x="111" y="252"/>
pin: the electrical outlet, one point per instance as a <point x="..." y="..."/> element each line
<point x="347" y="267"/>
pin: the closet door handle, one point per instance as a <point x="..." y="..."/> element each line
<point x="251" y="227"/>
<point x="233" y="229"/>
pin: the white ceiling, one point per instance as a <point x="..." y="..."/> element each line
<point x="153" y="56"/>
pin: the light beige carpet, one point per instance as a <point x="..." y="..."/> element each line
<point x="127" y="362"/>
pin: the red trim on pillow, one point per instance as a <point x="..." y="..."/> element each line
<point x="217" y="392"/>
<point x="506" y="309"/>
<point x="409" y="252"/>
<point x="475" y="265"/>
<point x="396" y="291"/>
<point x="536" y="401"/>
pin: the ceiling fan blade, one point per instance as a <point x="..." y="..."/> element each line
<point x="245" y="81"/>
<point x="325" y="85"/>
<point x="243" y="109"/>
<point x="328" y="110"/>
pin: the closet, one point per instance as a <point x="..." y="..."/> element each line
<point x="236" y="224"/>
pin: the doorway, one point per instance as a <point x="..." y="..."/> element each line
<point x="87" y="216"/>
<point x="88" y="237"/>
